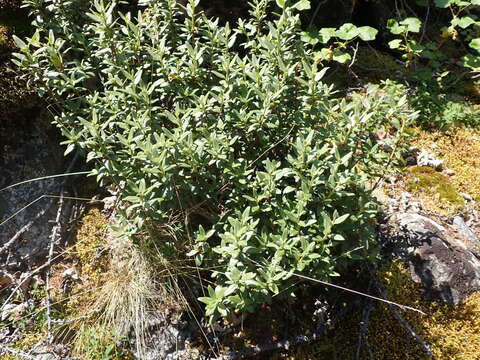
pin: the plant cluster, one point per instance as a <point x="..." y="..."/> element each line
<point x="462" y="25"/>
<point x="230" y="131"/>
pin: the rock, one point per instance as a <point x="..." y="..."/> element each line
<point x="15" y="310"/>
<point x="411" y="160"/>
<point x="442" y="259"/>
<point x="448" y="172"/>
<point x="466" y="196"/>
<point x="427" y="159"/>
<point x="169" y="332"/>
<point x="32" y="151"/>
<point x="410" y="156"/>
<point x="465" y="230"/>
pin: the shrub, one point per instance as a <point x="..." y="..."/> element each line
<point x="229" y="131"/>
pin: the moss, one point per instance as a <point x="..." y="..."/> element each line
<point x="88" y="252"/>
<point x="434" y="188"/>
<point x="451" y="332"/>
<point x="460" y="148"/>
<point x="4" y="39"/>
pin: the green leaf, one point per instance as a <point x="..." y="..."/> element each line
<point x="471" y="61"/>
<point x="341" y="219"/>
<point x="395" y="28"/>
<point x="326" y="34"/>
<point x="19" y="42"/>
<point x="281" y="3"/>
<point x="347" y="32"/>
<point x="442" y="3"/>
<point x="302" y="5"/>
<point x="476" y="2"/>
<point x="395" y="44"/>
<point x="413" y="24"/>
<point x="341" y="57"/>
<point x="463" y="22"/>
<point x="475" y="44"/>
<point x="367" y="33"/>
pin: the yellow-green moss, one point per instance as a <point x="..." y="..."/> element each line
<point x="460" y="148"/>
<point x="90" y="251"/>
<point x="4" y="40"/>
<point x="434" y="188"/>
<point x="451" y="332"/>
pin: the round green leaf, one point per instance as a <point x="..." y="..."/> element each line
<point x="463" y="22"/>
<point x="475" y="44"/>
<point x="394" y="44"/>
<point x="367" y="33"/>
<point x="341" y="57"/>
<point x="347" y="31"/>
<point x="442" y="3"/>
<point x="412" y="24"/>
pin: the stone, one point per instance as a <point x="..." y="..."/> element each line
<point x="465" y="230"/>
<point x="466" y="196"/>
<point x="448" y="172"/>
<point x="442" y="259"/>
<point x="427" y="159"/>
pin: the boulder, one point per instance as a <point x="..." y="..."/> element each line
<point x="444" y="258"/>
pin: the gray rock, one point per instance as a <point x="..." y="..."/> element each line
<point x="33" y="151"/>
<point x="442" y="259"/>
<point x="427" y="159"/>
<point x="465" y="230"/>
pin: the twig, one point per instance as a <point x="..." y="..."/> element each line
<point x="53" y="238"/>
<point x="37" y="270"/>
<point x="16" y="352"/>
<point x="425" y="22"/>
<point x="391" y="303"/>
<point x="402" y="321"/>
<point x="276" y="345"/>
<point x="316" y="334"/>
<point x="354" y="56"/>
<point x="364" y="325"/>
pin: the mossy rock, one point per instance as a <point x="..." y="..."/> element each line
<point x="460" y="149"/>
<point x="434" y="188"/>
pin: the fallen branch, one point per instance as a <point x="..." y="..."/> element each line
<point x="401" y="320"/>
<point x="53" y="238"/>
<point x="363" y="327"/>
<point x="16" y="352"/>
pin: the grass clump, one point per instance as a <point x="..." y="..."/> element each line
<point x="116" y="291"/>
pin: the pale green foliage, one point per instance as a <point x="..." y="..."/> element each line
<point x="337" y="40"/>
<point x="231" y="131"/>
<point x="463" y="25"/>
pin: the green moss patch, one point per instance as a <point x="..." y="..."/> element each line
<point x="434" y="188"/>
